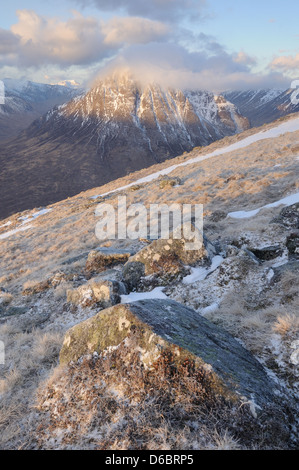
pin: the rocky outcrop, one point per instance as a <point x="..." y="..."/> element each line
<point x="268" y="252"/>
<point x="166" y="260"/>
<point x="155" y="326"/>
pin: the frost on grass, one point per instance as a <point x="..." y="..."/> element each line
<point x="174" y="406"/>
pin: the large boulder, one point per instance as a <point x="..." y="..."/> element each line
<point x="153" y="327"/>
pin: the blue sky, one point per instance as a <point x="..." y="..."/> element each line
<point x="206" y="43"/>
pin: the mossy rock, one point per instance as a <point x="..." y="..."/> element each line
<point x="154" y="326"/>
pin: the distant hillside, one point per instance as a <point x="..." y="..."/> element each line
<point x="263" y="106"/>
<point x="25" y="101"/>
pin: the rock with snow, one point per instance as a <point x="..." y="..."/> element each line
<point x="166" y="260"/>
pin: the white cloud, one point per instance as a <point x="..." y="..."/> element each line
<point x="172" y="65"/>
<point x="36" y="40"/>
<point x="286" y="63"/>
<point x="134" y="30"/>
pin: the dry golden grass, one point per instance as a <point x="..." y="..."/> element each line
<point x="173" y="407"/>
<point x="285" y="324"/>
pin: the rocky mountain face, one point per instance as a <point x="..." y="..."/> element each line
<point x="263" y="106"/>
<point x="118" y="113"/>
<point x="116" y="128"/>
<point x="25" y="101"/>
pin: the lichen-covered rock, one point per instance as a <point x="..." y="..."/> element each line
<point x="104" y="293"/>
<point x="154" y="326"/>
<point x="166" y="260"/>
<point x="98" y="260"/>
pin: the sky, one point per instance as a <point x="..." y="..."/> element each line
<point x="207" y="44"/>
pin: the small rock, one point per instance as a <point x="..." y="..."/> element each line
<point x="267" y="253"/>
<point x="98" y="260"/>
<point x="103" y="293"/>
<point x="292" y="244"/>
<point x="289" y="216"/>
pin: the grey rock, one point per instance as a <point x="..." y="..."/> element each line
<point x="158" y="325"/>
<point x="132" y="273"/>
<point x="288" y="217"/>
<point x="292" y="244"/>
<point x="101" y="259"/>
<point x="267" y="253"/>
<point x="103" y="293"/>
<point x="74" y="259"/>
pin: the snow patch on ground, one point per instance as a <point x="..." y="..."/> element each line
<point x="29" y="218"/>
<point x="286" y="201"/>
<point x="289" y="126"/>
<point x="12" y="232"/>
<point x="156" y="293"/>
<point x="199" y="274"/>
<point x="25" y="220"/>
<point x="6" y="225"/>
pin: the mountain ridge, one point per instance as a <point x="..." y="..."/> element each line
<point x="117" y="127"/>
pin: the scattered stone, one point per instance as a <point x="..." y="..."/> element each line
<point x="12" y="311"/>
<point x="53" y="281"/>
<point x="216" y="216"/>
<point x="37" y="288"/>
<point x="154" y="326"/>
<point x="290" y="267"/>
<point x="165" y="182"/>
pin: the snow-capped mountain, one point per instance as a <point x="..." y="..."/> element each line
<point x="114" y="129"/>
<point x="263" y="106"/>
<point x="25" y="101"/>
<point x="117" y="115"/>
